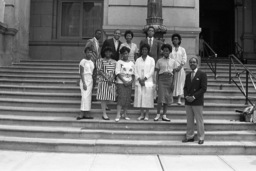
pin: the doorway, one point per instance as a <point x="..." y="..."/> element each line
<point x="217" y="21"/>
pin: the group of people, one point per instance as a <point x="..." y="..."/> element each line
<point x="154" y="69"/>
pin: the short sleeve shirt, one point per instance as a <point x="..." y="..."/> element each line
<point x="166" y="65"/>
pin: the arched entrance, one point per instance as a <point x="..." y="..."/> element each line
<point x="217" y="20"/>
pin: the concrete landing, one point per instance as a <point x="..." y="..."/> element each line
<point x="34" y="161"/>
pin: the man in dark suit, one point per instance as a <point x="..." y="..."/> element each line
<point x="155" y="45"/>
<point x="194" y="89"/>
<point x="114" y="43"/>
<point x="94" y="45"/>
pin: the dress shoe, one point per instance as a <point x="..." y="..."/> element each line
<point x="117" y="119"/>
<point x="140" y="118"/>
<point x="157" y="117"/>
<point x="84" y="117"/>
<point x="107" y="118"/>
<point x="126" y="118"/>
<point x="88" y="117"/>
<point x="79" y="118"/>
<point x="166" y="119"/>
<point x="188" y="140"/>
<point x="200" y="141"/>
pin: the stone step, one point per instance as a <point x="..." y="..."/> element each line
<point x="64" y="78"/>
<point x="76" y="89"/>
<point x="42" y="68"/>
<point x="35" y="64"/>
<point x="204" y="64"/>
<point x="75" y="74"/>
<point x="41" y="73"/>
<point x="50" y="61"/>
<point x="220" y="71"/>
<point x="40" y="86"/>
<point x="60" y="78"/>
<point x="40" y="82"/>
<point x="88" y="134"/>
<point x="75" y="70"/>
<point x="96" y="104"/>
<point x="77" y="96"/>
<point x="99" y="123"/>
<point x="97" y="113"/>
<point x="127" y="146"/>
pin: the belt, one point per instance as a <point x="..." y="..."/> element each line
<point x="167" y="74"/>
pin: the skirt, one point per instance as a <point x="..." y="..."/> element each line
<point x="165" y="89"/>
<point x="86" y="95"/>
<point x="124" y="95"/>
<point x="106" y="91"/>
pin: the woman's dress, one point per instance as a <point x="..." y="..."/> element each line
<point x="106" y="90"/>
<point x="180" y="57"/>
<point x="86" y="99"/>
<point x="144" y="95"/>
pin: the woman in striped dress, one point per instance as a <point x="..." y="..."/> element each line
<point x="106" y="88"/>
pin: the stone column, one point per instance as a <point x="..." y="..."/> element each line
<point x="154" y="18"/>
<point x="9" y="14"/>
<point x="2" y="7"/>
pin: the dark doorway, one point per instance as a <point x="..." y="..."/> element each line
<point x="217" y="19"/>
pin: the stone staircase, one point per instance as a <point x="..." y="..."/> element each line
<point x="39" y="101"/>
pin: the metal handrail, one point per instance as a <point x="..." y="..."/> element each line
<point x="210" y="55"/>
<point x="236" y="63"/>
<point x="239" y="52"/>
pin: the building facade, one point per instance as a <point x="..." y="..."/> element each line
<point x="58" y="29"/>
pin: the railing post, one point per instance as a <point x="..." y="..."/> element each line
<point x="247" y="85"/>
<point x="229" y="69"/>
<point x="215" y="65"/>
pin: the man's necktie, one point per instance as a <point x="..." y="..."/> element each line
<point x="150" y="42"/>
<point x="192" y="75"/>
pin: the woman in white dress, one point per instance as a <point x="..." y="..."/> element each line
<point x="144" y="87"/>
<point x="86" y="68"/>
<point x="180" y="56"/>
<point x="133" y="54"/>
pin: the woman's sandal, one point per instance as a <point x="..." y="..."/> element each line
<point x="146" y="119"/>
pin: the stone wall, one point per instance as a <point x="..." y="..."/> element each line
<point x="44" y="43"/>
<point x="14" y="32"/>
<point x="181" y="16"/>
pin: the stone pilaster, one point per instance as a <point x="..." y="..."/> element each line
<point x="248" y="37"/>
<point x="2" y="7"/>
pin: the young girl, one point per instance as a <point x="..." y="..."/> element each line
<point x="144" y="86"/>
<point x="125" y="78"/>
<point x="164" y="78"/>
<point x="180" y="56"/>
<point x="86" y="68"/>
<point x="106" y="88"/>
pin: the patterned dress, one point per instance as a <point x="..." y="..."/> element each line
<point x="106" y="70"/>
